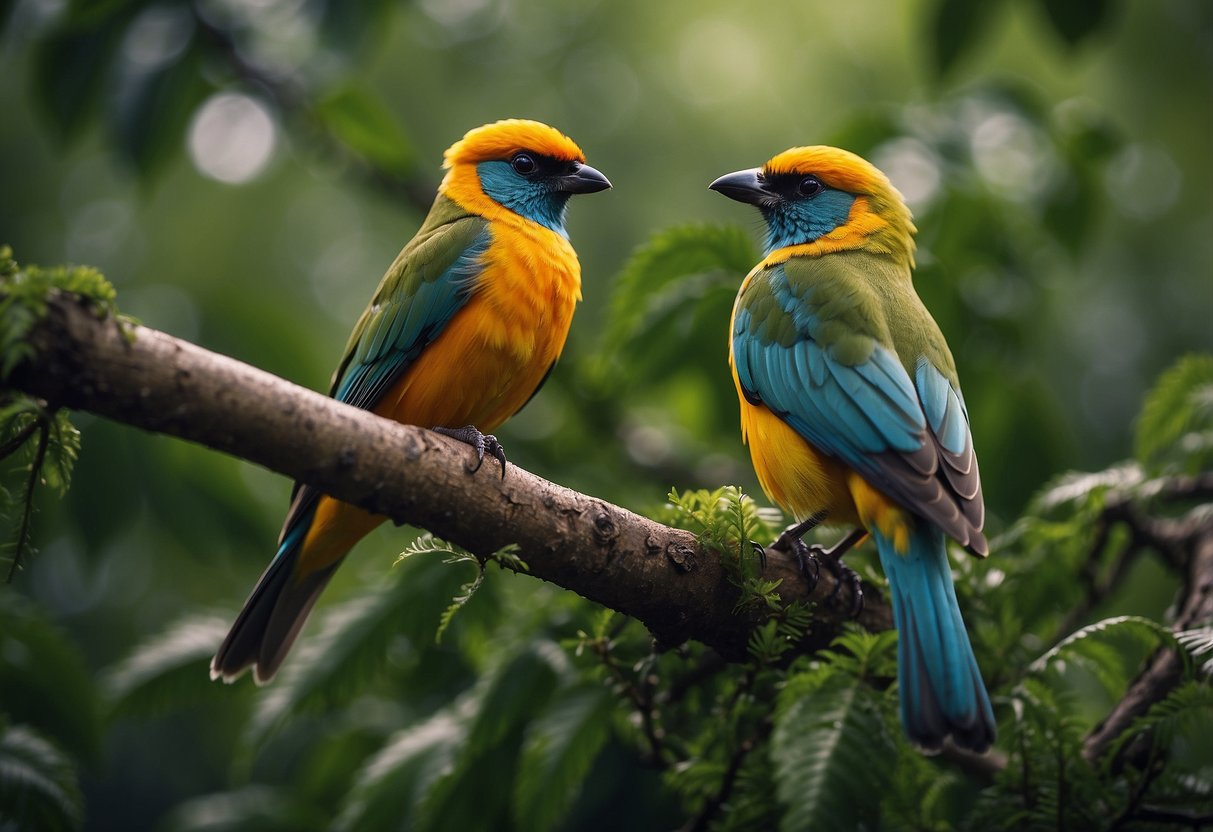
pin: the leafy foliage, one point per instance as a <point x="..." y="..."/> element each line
<point x="428" y="544"/>
<point x="45" y="681"/>
<point x="831" y="752"/>
<point x="84" y="75"/>
<point x="1175" y="431"/>
<point x="23" y="298"/>
<point x="1039" y="209"/>
<point x="559" y="749"/>
<point x="162" y="674"/>
<point x="683" y="278"/>
<point x="38" y="786"/>
<point x="46" y="441"/>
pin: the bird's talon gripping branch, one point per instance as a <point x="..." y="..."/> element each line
<point x="842" y="573"/>
<point x="482" y="443"/>
<point x="804" y="556"/>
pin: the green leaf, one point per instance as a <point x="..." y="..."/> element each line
<point x="44" y="680"/>
<point x="264" y="808"/>
<point x="71" y="67"/>
<point x="1199" y="642"/>
<point x="38" y="783"/>
<point x="1187" y="711"/>
<point x="422" y="778"/>
<point x="957" y="26"/>
<point x="831" y="752"/>
<point x="364" y="125"/>
<point x="1075" y="21"/>
<point x="153" y="109"/>
<point x="1175" y="429"/>
<point x="1100" y="648"/>
<point x="668" y="276"/>
<point x="516" y="694"/>
<point x="391" y="785"/>
<point x="559" y="749"/>
<point x="169" y="671"/>
<point x="333" y="666"/>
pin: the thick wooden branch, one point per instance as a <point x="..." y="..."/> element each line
<point x="659" y="575"/>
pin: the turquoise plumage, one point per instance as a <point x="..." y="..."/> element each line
<point x="851" y="406"/>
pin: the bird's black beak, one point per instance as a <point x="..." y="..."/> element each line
<point x="744" y="186"/>
<point x="583" y="180"/>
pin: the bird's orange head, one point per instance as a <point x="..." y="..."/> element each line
<point x="822" y="199"/>
<point x="518" y="170"/>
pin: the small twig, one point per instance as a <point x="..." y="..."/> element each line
<point x="1168" y="538"/>
<point x="642" y="702"/>
<point x="1137" y="792"/>
<point x="1097" y="589"/>
<point x="712" y="806"/>
<point x="710" y="665"/>
<point x="983" y="767"/>
<point x="27" y="512"/>
<point x="11" y="446"/>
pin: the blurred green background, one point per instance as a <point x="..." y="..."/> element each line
<point x="243" y="171"/>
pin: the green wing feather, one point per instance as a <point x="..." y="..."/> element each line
<point x="429" y="281"/>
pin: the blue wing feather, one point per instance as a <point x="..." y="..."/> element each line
<point x="872" y="415"/>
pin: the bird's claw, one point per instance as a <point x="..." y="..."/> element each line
<point x="803" y="554"/>
<point x="762" y="554"/>
<point x="842" y="572"/>
<point x="810" y="557"/>
<point x="482" y="443"/>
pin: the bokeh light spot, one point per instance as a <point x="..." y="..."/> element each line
<point x="157" y="36"/>
<point x="232" y="138"/>
<point x="912" y="168"/>
<point x="1143" y="181"/>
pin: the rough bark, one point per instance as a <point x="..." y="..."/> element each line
<point x="657" y="574"/>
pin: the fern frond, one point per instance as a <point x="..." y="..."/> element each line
<point x="559" y="749"/>
<point x="1137" y="628"/>
<point x="167" y="671"/>
<point x="831" y="753"/>
<point x="1175" y="428"/>
<point x="39" y="788"/>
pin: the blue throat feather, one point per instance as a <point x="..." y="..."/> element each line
<point x="804" y="220"/>
<point x="534" y="200"/>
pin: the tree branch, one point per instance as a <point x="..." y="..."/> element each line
<point x="1191" y="534"/>
<point x="656" y="574"/>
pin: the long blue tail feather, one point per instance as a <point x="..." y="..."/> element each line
<point x="941" y="689"/>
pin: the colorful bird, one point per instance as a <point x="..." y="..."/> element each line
<point x="462" y="331"/>
<point x="852" y="410"/>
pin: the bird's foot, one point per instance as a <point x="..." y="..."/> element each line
<point x="806" y="556"/>
<point x="810" y="557"/>
<point x="482" y="443"/>
<point x="842" y="572"/>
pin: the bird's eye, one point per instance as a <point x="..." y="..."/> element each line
<point x="524" y="164"/>
<point x="810" y="186"/>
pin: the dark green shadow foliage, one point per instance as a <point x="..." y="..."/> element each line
<point x="1056" y="158"/>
